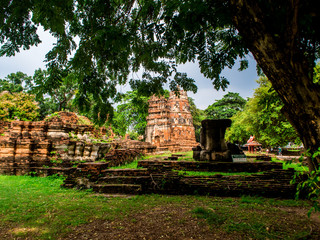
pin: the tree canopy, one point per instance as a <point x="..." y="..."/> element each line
<point x="226" y="107"/>
<point x="52" y="99"/>
<point x="131" y="114"/>
<point x="197" y="116"/>
<point x="119" y="37"/>
<point x="13" y="82"/>
<point x="262" y="118"/>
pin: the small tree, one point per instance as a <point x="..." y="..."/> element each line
<point x="52" y="98"/>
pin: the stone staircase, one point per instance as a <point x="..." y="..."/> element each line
<point x="124" y="172"/>
<point x="159" y="177"/>
<point x="113" y="188"/>
<point x="125" y="181"/>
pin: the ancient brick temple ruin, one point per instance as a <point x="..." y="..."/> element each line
<point x="63" y="145"/>
<point x="61" y="142"/>
<point x="169" y="124"/>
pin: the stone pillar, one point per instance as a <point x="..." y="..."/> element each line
<point x="213" y="146"/>
<point x="212" y="134"/>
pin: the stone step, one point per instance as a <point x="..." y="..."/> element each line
<point x="125" y="172"/>
<point x="173" y="158"/>
<point x="161" y="150"/>
<point x="212" y="166"/>
<point x="123" y="179"/>
<point x="117" y="188"/>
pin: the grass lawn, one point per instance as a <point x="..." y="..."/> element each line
<point x="295" y="165"/>
<point x="37" y="208"/>
<point x="187" y="156"/>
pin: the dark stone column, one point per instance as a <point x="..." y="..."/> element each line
<point x="213" y="145"/>
<point x="212" y="134"/>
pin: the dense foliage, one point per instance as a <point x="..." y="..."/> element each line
<point x="263" y="118"/>
<point x="62" y="97"/>
<point x="229" y="105"/>
<point x="52" y="99"/>
<point x="197" y="115"/>
<point x="13" y="82"/>
<point x="18" y="106"/>
<point x="131" y="114"/>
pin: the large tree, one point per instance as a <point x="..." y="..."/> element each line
<point x="131" y="114"/>
<point x="262" y="117"/>
<point x="14" y="82"/>
<point x="117" y="37"/>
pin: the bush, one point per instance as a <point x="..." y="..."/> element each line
<point x="18" y="105"/>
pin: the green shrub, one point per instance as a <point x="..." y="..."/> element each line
<point x="18" y="105"/>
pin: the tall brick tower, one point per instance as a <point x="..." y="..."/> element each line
<point x="169" y="123"/>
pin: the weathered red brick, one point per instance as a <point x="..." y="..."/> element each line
<point x="170" y="124"/>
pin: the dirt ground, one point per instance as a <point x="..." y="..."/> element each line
<point x="173" y="221"/>
<point x="177" y="223"/>
<point x="160" y="223"/>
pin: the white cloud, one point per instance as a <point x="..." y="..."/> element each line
<point x="27" y="61"/>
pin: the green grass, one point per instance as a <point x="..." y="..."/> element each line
<point x="296" y="166"/>
<point x="210" y="215"/>
<point x="132" y="165"/>
<point x="37" y="208"/>
<point x="253" y="218"/>
<point x="167" y="154"/>
<point x="35" y="202"/>
<point x="187" y="156"/>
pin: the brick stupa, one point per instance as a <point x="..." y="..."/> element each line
<point x="169" y="123"/>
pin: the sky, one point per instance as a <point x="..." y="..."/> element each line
<point x="244" y="82"/>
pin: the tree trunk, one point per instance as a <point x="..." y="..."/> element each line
<point x="285" y="65"/>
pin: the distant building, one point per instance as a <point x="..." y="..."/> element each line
<point x="169" y="123"/>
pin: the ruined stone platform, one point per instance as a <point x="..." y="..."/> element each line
<point x="204" y="166"/>
<point x="54" y="146"/>
<point x="160" y="177"/>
